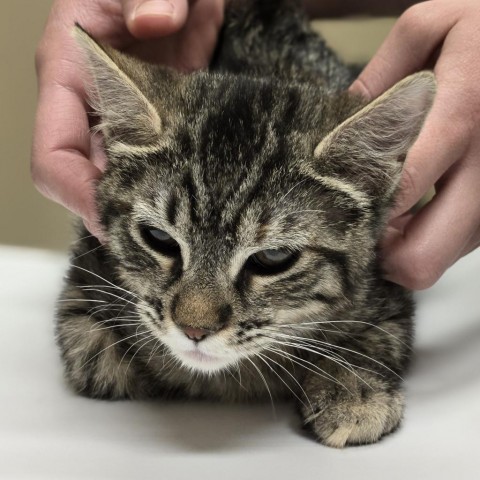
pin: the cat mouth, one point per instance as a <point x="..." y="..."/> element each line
<point x="199" y="360"/>
<point x="200" y="356"/>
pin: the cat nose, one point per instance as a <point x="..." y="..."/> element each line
<point x="196" y="334"/>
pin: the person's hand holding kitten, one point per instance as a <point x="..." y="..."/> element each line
<point x="443" y="35"/>
<point x="66" y="159"/>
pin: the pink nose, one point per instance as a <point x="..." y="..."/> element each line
<point x="195" y="334"/>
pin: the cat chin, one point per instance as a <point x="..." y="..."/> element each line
<point x="208" y="356"/>
<point x="197" y="360"/>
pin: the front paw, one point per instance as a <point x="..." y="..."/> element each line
<point x="363" y="414"/>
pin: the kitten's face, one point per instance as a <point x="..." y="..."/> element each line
<point x="235" y="250"/>
<point x="235" y="209"/>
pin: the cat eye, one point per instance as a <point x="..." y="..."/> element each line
<point x="271" y="261"/>
<point x="160" y="241"/>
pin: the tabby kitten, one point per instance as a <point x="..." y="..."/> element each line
<point x="243" y="207"/>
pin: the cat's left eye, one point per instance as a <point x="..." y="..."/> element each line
<point x="270" y="261"/>
<point x="160" y="241"/>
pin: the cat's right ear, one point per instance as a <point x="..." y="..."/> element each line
<point x="368" y="149"/>
<point x="127" y="116"/>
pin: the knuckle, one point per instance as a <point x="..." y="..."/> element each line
<point x="37" y="178"/>
<point x="39" y="57"/>
<point x="419" y="272"/>
<point x="34" y="172"/>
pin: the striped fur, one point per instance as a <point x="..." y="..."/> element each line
<point x="273" y="155"/>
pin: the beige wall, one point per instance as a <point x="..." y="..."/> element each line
<point x="26" y="218"/>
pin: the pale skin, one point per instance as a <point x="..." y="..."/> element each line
<point x="67" y="160"/>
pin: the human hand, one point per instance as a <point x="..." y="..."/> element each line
<point x="67" y="160"/>
<point x="443" y="35"/>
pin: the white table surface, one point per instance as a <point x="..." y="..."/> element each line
<point x="46" y="432"/>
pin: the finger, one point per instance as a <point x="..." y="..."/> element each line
<point x="154" y="18"/>
<point x="192" y="47"/>
<point x="451" y="125"/>
<point x="438" y="147"/>
<point x="202" y="29"/>
<point x="408" y="47"/>
<point x="402" y="221"/>
<point x="438" y="234"/>
<point x="61" y="167"/>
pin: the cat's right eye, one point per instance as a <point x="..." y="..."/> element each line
<point x="160" y="241"/>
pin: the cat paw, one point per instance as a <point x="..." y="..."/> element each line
<point x="353" y="418"/>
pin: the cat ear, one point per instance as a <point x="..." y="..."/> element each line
<point x="127" y="115"/>
<point x="368" y="149"/>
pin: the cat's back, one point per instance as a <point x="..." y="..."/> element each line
<point x="274" y="38"/>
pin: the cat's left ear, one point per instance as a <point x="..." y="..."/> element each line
<point x="127" y="116"/>
<point x="368" y="149"/>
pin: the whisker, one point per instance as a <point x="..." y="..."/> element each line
<point x="305" y="324"/>
<point x="86" y="253"/>
<point x="120" y="319"/>
<point x="104" y="279"/>
<point x="138" y="350"/>
<point x="112" y="306"/>
<point x="106" y="348"/>
<point x="123" y="299"/>
<point x="295" y="342"/>
<point x="81" y="239"/>
<point x="63" y="300"/>
<point x="261" y="356"/>
<point x="324" y="354"/>
<point x="340" y="361"/>
<point x="310" y="342"/>
<point x="155" y="349"/>
<point x="316" y="369"/>
<point x="235" y="378"/>
<point x="111" y="327"/>
<point x="323" y="331"/>
<point x="265" y="383"/>
<point x="332" y="346"/>
<point x="338" y="347"/>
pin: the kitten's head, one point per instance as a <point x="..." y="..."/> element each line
<point x="236" y="207"/>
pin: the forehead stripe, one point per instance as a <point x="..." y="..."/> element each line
<point x="192" y="192"/>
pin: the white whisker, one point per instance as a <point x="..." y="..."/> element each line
<point x="312" y="368"/>
<point x="150" y="339"/>
<point x="86" y="253"/>
<point x="106" y="348"/>
<point x="307" y="324"/>
<point x="265" y="383"/>
<point x="261" y="356"/>
<point x="104" y="279"/>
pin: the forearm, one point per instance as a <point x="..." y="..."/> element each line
<point x="339" y="8"/>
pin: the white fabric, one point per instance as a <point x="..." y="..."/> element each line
<point x="46" y="432"/>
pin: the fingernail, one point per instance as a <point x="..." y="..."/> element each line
<point x="162" y="8"/>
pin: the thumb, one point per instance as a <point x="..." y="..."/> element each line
<point x="154" y="18"/>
